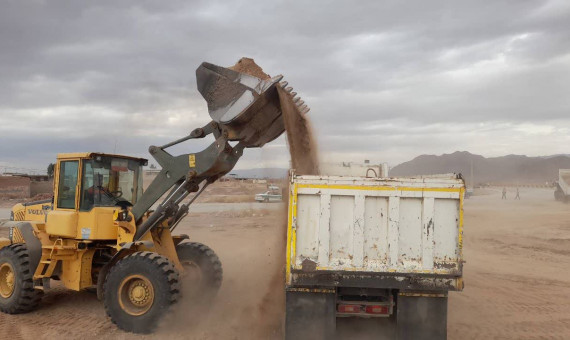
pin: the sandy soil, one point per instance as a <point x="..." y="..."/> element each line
<point x="248" y="66"/>
<point x="300" y="140"/>
<point x="517" y="279"/>
<point x="245" y="242"/>
<point x="236" y="191"/>
<point x="233" y="191"/>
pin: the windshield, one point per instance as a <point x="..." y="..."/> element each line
<point x="109" y="180"/>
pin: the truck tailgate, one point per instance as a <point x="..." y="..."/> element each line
<point x="390" y="226"/>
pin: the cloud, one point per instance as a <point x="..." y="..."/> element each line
<point x="385" y="80"/>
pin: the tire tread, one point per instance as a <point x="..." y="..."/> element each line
<point x="29" y="297"/>
<point x="163" y="264"/>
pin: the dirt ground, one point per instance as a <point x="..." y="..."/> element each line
<point x="517" y="283"/>
<point x="236" y="191"/>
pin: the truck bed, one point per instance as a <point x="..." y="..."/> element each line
<point x="371" y="232"/>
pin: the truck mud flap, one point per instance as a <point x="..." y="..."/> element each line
<point x="310" y="314"/>
<point x="422" y="316"/>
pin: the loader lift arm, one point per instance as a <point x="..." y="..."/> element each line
<point x="244" y="109"/>
<point x="183" y="175"/>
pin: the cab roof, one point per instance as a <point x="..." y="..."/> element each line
<point x="88" y="155"/>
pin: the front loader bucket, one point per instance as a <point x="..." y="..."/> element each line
<point x="248" y="107"/>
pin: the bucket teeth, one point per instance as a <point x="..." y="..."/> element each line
<point x="301" y="106"/>
<point x="247" y="107"/>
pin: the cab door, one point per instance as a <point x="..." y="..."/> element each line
<point x="62" y="221"/>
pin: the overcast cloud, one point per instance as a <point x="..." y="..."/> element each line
<point x="385" y="80"/>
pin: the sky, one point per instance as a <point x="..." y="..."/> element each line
<point x="385" y="80"/>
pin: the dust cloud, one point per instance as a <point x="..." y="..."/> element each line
<point x="266" y="320"/>
<point x="300" y="140"/>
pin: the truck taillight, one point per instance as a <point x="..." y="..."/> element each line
<point x="348" y="308"/>
<point x="377" y="310"/>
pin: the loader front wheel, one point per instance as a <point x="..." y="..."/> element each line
<point x="17" y="293"/>
<point x="139" y="290"/>
<point x="202" y="271"/>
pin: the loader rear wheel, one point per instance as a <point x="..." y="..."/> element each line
<point x="17" y="293"/>
<point x="139" y="290"/>
<point x="202" y="270"/>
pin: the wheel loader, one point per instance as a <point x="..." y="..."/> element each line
<point x="102" y="232"/>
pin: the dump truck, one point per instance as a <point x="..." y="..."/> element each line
<point x="562" y="186"/>
<point x="388" y="249"/>
<point x="102" y="231"/>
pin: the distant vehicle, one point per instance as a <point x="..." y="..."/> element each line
<point x="271" y="195"/>
<point x="562" y="192"/>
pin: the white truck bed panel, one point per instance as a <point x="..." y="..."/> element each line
<point x="403" y="225"/>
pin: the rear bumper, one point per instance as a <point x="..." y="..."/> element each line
<point x="422" y="282"/>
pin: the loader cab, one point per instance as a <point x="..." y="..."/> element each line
<point x="92" y="180"/>
<point x="88" y="187"/>
<point x="110" y="181"/>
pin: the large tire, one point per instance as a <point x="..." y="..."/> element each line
<point x="203" y="271"/>
<point x="17" y="293"/>
<point x="139" y="289"/>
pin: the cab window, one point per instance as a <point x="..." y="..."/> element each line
<point x="108" y="181"/>
<point x="67" y="184"/>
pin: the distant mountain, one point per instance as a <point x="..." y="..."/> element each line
<point x="510" y="169"/>
<point x="558" y="155"/>
<point x="261" y="173"/>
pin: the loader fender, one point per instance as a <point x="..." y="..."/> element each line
<point x="4" y="242"/>
<point x="32" y="242"/>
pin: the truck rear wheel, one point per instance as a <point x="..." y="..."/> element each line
<point x="309" y="315"/>
<point x="202" y="268"/>
<point x="139" y="290"/>
<point x="421" y="316"/>
<point x="17" y="293"/>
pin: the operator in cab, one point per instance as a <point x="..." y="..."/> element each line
<point x="109" y="181"/>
